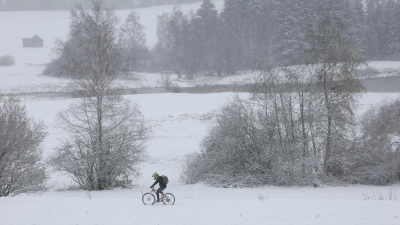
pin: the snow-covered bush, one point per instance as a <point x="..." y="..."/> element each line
<point x="21" y="166"/>
<point x="166" y="80"/>
<point x="279" y="134"/>
<point x="7" y="60"/>
<point x="376" y="158"/>
<point x="243" y="149"/>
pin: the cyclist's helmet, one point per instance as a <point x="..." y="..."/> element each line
<point x="155" y="175"/>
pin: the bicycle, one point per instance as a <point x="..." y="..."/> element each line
<point x="149" y="198"/>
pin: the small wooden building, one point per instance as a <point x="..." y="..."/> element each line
<point x="34" y="42"/>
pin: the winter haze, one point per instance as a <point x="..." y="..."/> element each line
<point x="251" y="119"/>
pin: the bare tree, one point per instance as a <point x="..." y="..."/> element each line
<point x="92" y="46"/>
<point x="171" y="45"/>
<point x="21" y="167"/>
<point x="107" y="133"/>
<point x="106" y="142"/>
<point x="334" y="62"/>
<point x="133" y="41"/>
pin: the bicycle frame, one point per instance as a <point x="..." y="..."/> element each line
<point x="154" y="190"/>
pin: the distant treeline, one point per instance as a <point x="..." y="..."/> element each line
<point x="19" y="5"/>
<point x="247" y="33"/>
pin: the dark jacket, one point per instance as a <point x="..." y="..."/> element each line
<point x="160" y="180"/>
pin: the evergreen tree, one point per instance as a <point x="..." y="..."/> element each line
<point x="372" y="29"/>
<point x="393" y="33"/>
<point x="358" y="19"/>
<point x="205" y="27"/>
<point x="232" y="53"/>
<point x="243" y="25"/>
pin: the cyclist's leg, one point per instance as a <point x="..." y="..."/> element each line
<point x="160" y="189"/>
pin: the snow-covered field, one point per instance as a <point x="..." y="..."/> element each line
<point x="27" y="78"/>
<point x="179" y="122"/>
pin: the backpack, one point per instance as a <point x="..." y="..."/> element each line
<point x="165" y="179"/>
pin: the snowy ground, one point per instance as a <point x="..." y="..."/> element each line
<point x="201" y="205"/>
<point x="179" y="123"/>
<point x="28" y="78"/>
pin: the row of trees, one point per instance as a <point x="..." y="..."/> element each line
<point x="382" y="29"/>
<point x="298" y="126"/>
<point x="16" y="5"/>
<point x="106" y="134"/>
<point x="247" y="33"/>
<point x="130" y="51"/>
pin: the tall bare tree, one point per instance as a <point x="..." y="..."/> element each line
<point x="107" y="133"/>
<point x="334" y="62"/>
<point x="133" y="41"/>
<point x="21" y="166"/>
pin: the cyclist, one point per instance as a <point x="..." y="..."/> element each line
<point x="160" y="181"/>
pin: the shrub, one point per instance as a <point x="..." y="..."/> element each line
<point x="21" y="167"/>
<point x="232" y="155"/>
<point x="7" y="60"/>
<point x="376" y="158"/>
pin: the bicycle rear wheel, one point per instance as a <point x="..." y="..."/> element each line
<point x="148" y="199"/>
<point x="169" y="199"/>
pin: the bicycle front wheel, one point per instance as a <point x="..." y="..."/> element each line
<point x="148" y="199"/>
<point x="169" y="199"/>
